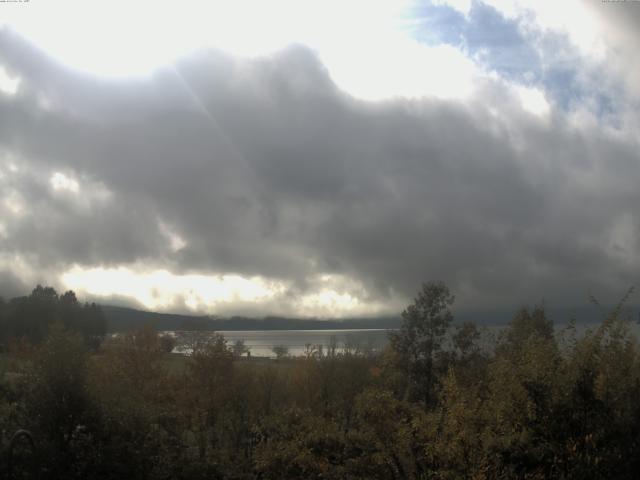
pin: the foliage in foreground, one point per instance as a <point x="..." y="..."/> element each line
<point x="434" y="405"/>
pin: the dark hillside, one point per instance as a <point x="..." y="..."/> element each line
<point x="125" y="319"/>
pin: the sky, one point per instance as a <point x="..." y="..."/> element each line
<point x="320" y="158"/>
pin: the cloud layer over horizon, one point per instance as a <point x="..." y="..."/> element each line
<point x="265" y="185"/>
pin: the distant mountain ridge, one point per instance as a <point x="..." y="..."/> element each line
<point x="124" y="319"/>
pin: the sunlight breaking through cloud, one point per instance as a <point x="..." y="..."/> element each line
<point x="327" y="295"/>
<point x="160" y="289"/>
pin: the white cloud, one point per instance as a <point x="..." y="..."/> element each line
<point x="85" y="193"/>
<point x="572" y="17"/>
<point x="400" y="67"/>
<point x="60" y="181"/>
<point x="332" y="295"/>
<point x="533" y="100"/>
<point x="8" y="84"/>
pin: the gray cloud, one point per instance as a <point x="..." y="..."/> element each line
<point x="263" y="167"/>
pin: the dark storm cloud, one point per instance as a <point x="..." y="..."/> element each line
<point x="264" y="167"/>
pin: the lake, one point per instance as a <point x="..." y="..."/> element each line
<point x="261" y="342"/>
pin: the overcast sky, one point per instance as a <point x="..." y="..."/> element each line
<point x="320" y="158"/>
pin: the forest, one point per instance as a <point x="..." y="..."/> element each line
<point x="440" y="402"/>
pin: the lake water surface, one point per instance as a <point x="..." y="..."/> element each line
<point x="262" y="342"/>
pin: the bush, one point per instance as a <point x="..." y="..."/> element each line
<point x="167" y="343"/>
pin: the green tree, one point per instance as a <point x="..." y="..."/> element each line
<point x="167" y="343"/>
<point x="32" y="316"/>
<point x="239" y="348"/>
<point x="137" y="402"/>
<point x="210" y="373"/>
<point x="469" y="360"/>
<point x="280" y="351"/>
<point x="59" y="403"/>
<point x="419" y="340"/>
<point x="526" y="324"/>
<point x="465" y="340"/>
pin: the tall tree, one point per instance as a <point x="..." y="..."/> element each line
<point x="419" y="340"/>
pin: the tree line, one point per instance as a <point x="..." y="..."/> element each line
<point x="31" y="317"/>
<point x="436" y="404"/>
